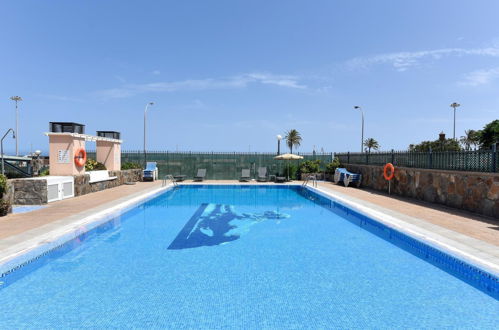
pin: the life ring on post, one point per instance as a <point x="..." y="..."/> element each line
<point x="389" y="168"/>
<point x="80" y="157"/>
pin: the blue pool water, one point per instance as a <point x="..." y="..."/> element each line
<point x="239" y="257"/>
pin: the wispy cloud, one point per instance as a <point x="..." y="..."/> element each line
<point x="239" y="81"/>
<point x="156" y="72"/>
<point x="480" y="77"/>
<point x="402" y="61"/>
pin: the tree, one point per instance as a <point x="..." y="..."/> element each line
<point x="293" y="138"/>
<point x="470" y="139"/>
<point x="489" y="135"/>
<point x="437" y="145"/>
<point x="371" y="143"/>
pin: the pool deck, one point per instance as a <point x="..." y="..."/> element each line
<point x="475" y="235"/>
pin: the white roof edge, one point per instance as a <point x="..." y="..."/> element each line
<point x="86" y="137"/>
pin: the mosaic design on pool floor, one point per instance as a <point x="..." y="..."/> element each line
<point x="215" y="224"/>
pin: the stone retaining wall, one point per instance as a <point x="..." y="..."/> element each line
<point x="29" y="192"/>
<point x="471" y="191"/>
<point x="34" y="192"/>
<point x="83" y="187"/>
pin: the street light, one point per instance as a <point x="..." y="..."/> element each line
<point x="362" y="136"/>
<point x="279" y="138"/>
<point x="17" y="99"/>
<point x="145" y="117"/>
<point x="455" y="105"/>
<point x="1" y="146"/>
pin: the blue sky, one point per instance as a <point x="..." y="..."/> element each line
<point x="231" y="75"/>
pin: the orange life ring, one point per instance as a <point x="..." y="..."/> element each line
<point x="80" y="157"/>
<point x="391" y="168"/>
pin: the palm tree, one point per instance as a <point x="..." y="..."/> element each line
<point x="371" y="143"/>
<point x="293" y="138"/>
<point x="470" y="138"/>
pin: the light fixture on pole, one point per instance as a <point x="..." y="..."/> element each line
<point x="455" y="105"/>
<point x="145" y="117"/>
<point x="362" y="135"/>
<point x="1" y="146"/>
<point x="17" y="99"/>
<point x="279" y="138"/>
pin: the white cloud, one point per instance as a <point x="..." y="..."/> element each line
<point x="269" y="79"/>
<point x="402" y="61"/>
<point x="240" y="81"/>
<point x="480" y="77"/>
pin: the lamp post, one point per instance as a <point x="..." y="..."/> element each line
<point x="17" y="99"/>
<point x="362" y="136"/>
<point x="145" y="117"/>
<point x="455" y="105"/>
<point x="279" y="138"/>
<point x="1" y="146"/>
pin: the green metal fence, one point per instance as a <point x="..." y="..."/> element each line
<point x="218" y="165"/>
<point x="476" y="160"/>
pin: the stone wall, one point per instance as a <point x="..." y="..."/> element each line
<point x="29" y="192"/>
<point x="34" y="191"/>
<point x="83" y="187"/>
<point x="471" y="191"/>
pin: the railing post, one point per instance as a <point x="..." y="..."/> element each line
<point x="393" y="157"/>
<point x="494" y="158"/>
<point x="348" y="157"/>
<point x="367" y="158"/>
<point x="430" y="158"/>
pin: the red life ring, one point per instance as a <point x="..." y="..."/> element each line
<point x="391" y="168"/>
<point x="80" y="157"/>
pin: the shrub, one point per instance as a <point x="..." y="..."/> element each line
<point x="4" y="204"/>
<point x="130" y="166"/>
<point x="3" y="185"/>
<point x="310" y="166"/>
<point x="93" y="165"/>
<point x="292" y="170"/>
<point x="45" y="172"/>
<point x="4" y="207"/>
<point x="331" y="167"/>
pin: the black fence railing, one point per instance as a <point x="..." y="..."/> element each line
<point x="218" y="165"/>
<point x="475" y="160"/>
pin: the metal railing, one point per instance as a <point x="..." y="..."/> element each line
<point x="474" y="160"/>
<point x="218" y="165"/>
<point x="170" y="178"/>
<point x="309" y="178"/>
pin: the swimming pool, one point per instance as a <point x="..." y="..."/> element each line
<point x="245" y="257"/>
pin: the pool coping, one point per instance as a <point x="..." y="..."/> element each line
<point x="22" y="248"/>
<point x="477" y="253"/>
<point x="25" y="247"/>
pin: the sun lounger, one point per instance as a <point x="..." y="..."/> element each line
<point x="280" y="179"/>
<point x="262" y="174"/>
<point x="151" y="172"/>
<point x="245" y="175"/>
<point x="179" y="178"/>
<point x="200" y="175"/>
<point x="342" y="175"/>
